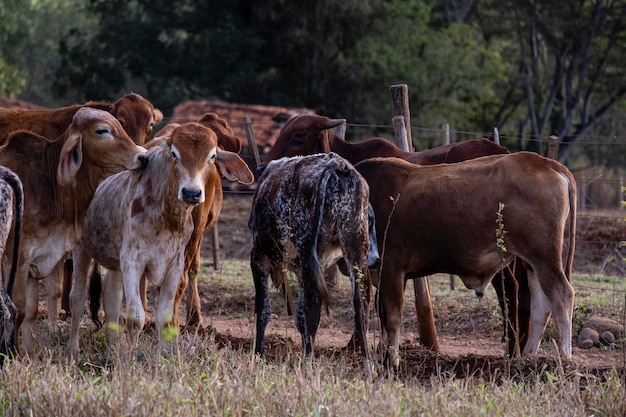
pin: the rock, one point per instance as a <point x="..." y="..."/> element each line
<point x="599" y="330"/>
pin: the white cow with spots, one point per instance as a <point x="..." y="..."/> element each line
<point x="140" y="222"/>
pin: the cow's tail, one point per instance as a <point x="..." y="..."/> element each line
<point x="313" y="261"/>
<point x="573" y="207"/>
<point x="18" y="196"/>
<point x="95" y="291"/>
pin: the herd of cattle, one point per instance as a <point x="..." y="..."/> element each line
<point x="84" y="186"/>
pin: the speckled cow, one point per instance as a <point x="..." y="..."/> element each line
<point x="11" y="210"/>
<point x="307" y="213"/>
<point x="140" y="222"/>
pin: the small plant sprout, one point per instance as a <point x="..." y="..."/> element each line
<point x="500" y="232"/>
<point x="169" y="331"/>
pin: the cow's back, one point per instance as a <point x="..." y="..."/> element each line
<point x="427" y="205"/>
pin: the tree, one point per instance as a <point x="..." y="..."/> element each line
<point x="29" y="36"/>
<point x="571" y="63"/>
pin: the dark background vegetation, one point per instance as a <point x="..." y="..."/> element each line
<point x="530" y="68"/>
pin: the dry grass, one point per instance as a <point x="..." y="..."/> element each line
<point x="203" y="378"/>
<point x="205" y="373"/>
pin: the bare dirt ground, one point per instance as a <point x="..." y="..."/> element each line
<point x="470" y="331"/>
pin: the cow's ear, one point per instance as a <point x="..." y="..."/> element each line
<point x="325" y="143"/>
<point x="158" y="116"/>
<point x="71" y="159"/>
<point x="233" y="167"/>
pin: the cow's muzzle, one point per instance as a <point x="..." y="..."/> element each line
<point x="191" y="196"/>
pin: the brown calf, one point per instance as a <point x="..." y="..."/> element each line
<point x="442" y="218"/>
<point x="59" y="179"/>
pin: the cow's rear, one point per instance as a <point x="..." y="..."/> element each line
<point x="307" y="213"/>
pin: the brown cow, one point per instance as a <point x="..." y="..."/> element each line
<point x="136" y="115"/>
<point x="442" y="218"/>
<point x="11" y="211"/>
<point x="59" y="178"/>
<point x="140" y="222"/>
<point x="307" y="212"/>
<point x="308" y="134"/>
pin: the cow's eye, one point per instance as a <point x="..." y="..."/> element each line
<point x="102" y="131"/>
<point x="298" y="138"/>
<point x="174" y="155"/>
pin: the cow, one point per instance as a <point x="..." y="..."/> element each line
<point x="59" y="178"/>
<point x="11" y="211"/>
<point x="139" y="222"/>
<point x="307" y="212"/>
<point x="137" y="116"/>
<point x="442" y="219"/>
<point x="204" y="215"/>
<point x="309" y="133"/>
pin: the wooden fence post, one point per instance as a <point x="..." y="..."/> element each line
<point x="446" y="141"/>
<point x="400" y="133"/>
<point x="400" y="106"/>
<point x="445" y="128"/>
<point x="247" y="123"/>
<point x="553" y="147"/>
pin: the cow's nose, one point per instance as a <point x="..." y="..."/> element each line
<point x="373" y="263"/>
<point x="143" y="160"/>
<point x="191" y="196"/>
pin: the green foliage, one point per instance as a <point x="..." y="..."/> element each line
<point x="11" y="83"/>
<point x="29" y="36"/>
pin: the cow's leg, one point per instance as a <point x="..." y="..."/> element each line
<point x="135" y="313"/>
<point x="308" y="312"/>
<point x="54" y="287"/>
<point x="361" y="295"/>
<point x="189" y="280"/>
<point x="556" y="296"/>
<point x="143" y="291"/>
<point x="19" y="301"/>
<point x="68" y="277"/>
<point x="112" y="292"/>
<point x="78" y="295"/>
<point x="167" y="329"/>
<point x="30" y="314"/>
<point x="523" y="303"/>
<point x="506" y="287"/>
<point x="194" y="312"/>
<point x="391" y="300"/>
<point x="262" y="307"/>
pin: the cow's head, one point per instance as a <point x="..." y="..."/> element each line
<point x="305" y="134"/>
<point x="96" y="139"/>
<point x="194" y="150"/>
<point x="137" y="116"/>
<point x="226" y="138"/>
